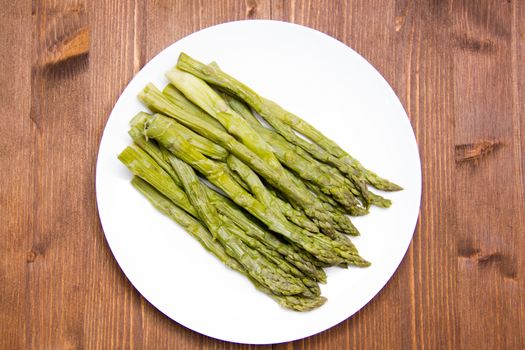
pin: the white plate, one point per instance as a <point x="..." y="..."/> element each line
<point x="324" y="82"/>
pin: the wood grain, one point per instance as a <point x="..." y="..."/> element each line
<point x="457" y="69"/>
<point x="490" y="239"/>
<point x="16" y="157"/>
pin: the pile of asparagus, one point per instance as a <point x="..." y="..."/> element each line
<point x="268" y="203"/>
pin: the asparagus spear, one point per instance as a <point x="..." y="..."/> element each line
<point x="285" y="122"/>
<point x="202" y="235"/>
<point x="328" y="201"/>
<point x="158" y="102"/>
<point x="259" y="268"/>
<point x="239" y="180"/>
<point x="153" y="151"/>
<point x="300" y="304"/>
<point x="323" y="248"/>
<point x="379" y="201"/>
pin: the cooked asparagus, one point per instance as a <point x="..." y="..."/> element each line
<point x="273" y="201"/>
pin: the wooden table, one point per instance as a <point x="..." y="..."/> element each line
<point x="457" y="67"/>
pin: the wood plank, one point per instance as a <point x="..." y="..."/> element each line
<point x="518" y="103"/>
<point x="434" y="321"/>
<point x="75" y="284"/>
<point x="63" y="208"/>
<point x="113" y="309"/>
<point x="489" y="182"/>
<point x="16" y="157"/>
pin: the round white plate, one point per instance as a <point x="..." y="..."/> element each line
<point x="324" y="82"/>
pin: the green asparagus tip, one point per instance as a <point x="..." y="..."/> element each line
<point x="363" y="263"/>
<point x="396" y="187"/>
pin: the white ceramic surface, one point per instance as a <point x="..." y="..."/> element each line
<point x="324" y="82"/>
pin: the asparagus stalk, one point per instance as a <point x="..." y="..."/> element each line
<point x="259" y="268"/>
<point x="285" y="122"/>
<point x="328" y="201"/>
<point x="158" y="102"/>
<point x="202" y="235"/>
<point x="298" y="303"/>
<point x="239" y="180"/>
<point x="153" y="151"/>
<point x="323" y="248"/>
<point x="379" y="201"/>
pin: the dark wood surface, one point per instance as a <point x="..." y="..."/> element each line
<point x="457" y="67"/>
